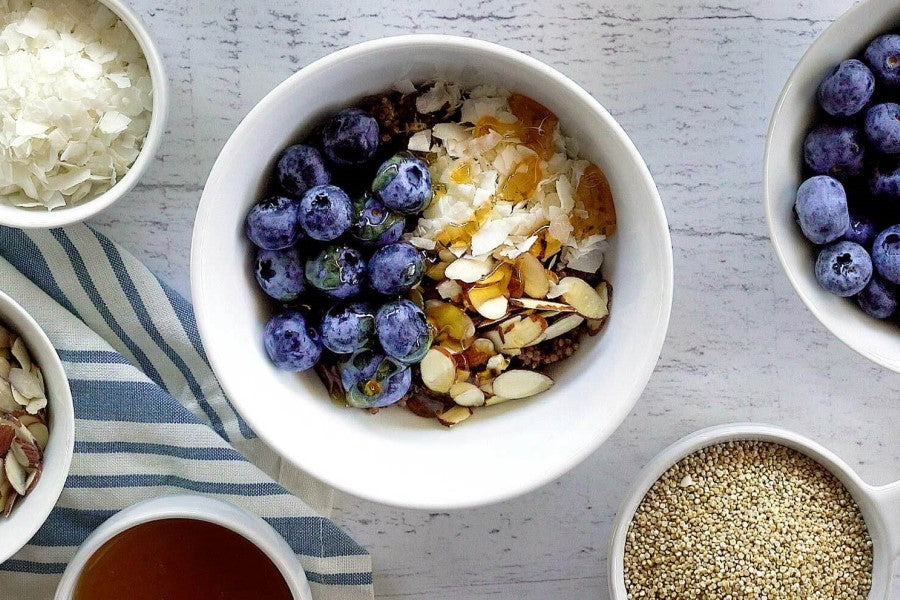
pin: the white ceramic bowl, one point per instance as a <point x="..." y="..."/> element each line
<point x="848" y="36"/>
<point x="880" y="505"/>
<point x="34" y="218"/>
<point x="395" y="457"/>
<point x="30" y="512"/>
<point x="201" y="508"/>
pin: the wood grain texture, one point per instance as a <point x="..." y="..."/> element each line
<point x="694" y="83"/>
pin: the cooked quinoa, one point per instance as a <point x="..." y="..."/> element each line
<point x="746" y="520"/>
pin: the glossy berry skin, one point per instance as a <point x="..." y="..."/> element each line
<point x="396" y="268"/>
<point x="847" y="89"/>
<point x="821" y="207"/>
<point x="884" y="180"/>
<point x="403" y="331"/>
<point x="291" y="343"/>
<point x="836" y="150"/>
<point x="272" y="223"/>
<point x="325" y="213"/>
<point x="886" y="254"/>
<point x="373" y="380"/>
<point x="403" y="183"/>
<point x="280" y="273"/>
<point x="347" y="328"/>
<point x="299" y="168"/>
<point x="878" y="299"/>
<point x="337" y="271"/>
<point x="844" y="268"/>
<point x="862" y="230"/>
<point x="883" y="57"/>
<point x="883" y="127"/>
<point x="374" y="224"/>
<point x="350" y="138"/>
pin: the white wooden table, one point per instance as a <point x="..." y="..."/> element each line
<point x="694" y="83"/>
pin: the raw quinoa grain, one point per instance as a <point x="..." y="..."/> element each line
<point x="745" y="520"/>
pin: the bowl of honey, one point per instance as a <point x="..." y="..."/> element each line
<point x="184" y="547"/>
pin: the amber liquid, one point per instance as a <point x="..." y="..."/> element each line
<point x="180" y="559"/>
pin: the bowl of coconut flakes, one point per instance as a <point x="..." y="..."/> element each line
<point x="83" y="104"/>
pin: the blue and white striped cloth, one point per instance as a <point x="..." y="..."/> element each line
<point x="151" y="418"/>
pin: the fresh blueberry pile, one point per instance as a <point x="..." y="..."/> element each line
<point x="850" y="204"/>
<point x="337" y="266"/>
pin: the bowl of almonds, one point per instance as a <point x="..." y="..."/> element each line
<point x="37" y="426"/>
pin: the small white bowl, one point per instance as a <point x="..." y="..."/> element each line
<point x="878" y="341"/>
<point x="39" y="218"/>
<point x="30" y="512"/>
<point x="201" y="508"/>
<point x="395" y="457"/>
<point x="880" y="505"/>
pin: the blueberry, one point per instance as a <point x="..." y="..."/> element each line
<point x="280" y="273"/>
<point x="291" y="344"/>
<point x="337" y="271"/>
<point x="883" y="127"/>
<point x="272" y="223"/>
<point x="403" y="331"/>
<point x="885" y="254"/>
<point x="301" y="167"/>
<point x="862" y="230"/>
<point x="396" y="268"/>
<point x="350" y="137"/>
<point x="373" y="380"/>
<point x="325" y="213"/>
<point x="878" y="299"/>
<point x="844" y="268"/>
<point x="835" y="150"/>
<point x="821" y="207"/>
<point x="847" y="89"/>
<point x="403" y="183"/>
<point x="374" y="224"/>
<point x="884" y="181"/>
<point x="883" y="56"/>
<point x="347" y="328"/>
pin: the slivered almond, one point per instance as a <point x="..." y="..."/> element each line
<point x="583" y="298"/>
<point x="534" y="277"/>
<point x="438" y="370"/>
<point x="520" y="383"/>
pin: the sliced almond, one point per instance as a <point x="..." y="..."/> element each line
<point x="438" y="370"/>
<point x="4" y="368"/>
<point x="16" y="475"/>
<point x="560" y="327"/>
<point x="22" y="432"/>
<point x="523" y="332"/>
<point x="469" y="270"/>
<point x="454" y="416"/>
<point x="583" y="298"/>
<point x="36" y="405"/>
<point x="498" y="364"/>
<point x="467" y="394"/>
<point x="450" y="289"/>
<point x="26" y="419"/>
<point x="39" y="375"/>
<point x="26" y="382"/>
<point x="494" y="400"/>
<point x="19" y="398"/>
<point x="533" y="304"/>
<point x="41" y="434"/>
<point x="534" y="277"/>
<point x="20" y="352"/>
<point x="28" y="454"/>
<point x="33" y="478"/>
<point x="7" y="401"/>
<point x="451" y="322"/>
<point x="520" y="383"/>
<point x="479" y="352"/>
<point x="6" y="338"/>
<point x="493" y="308"/>
<point x="596" y="325"/>
<point x="7" y="435"/>
<point x="9" y="501"/>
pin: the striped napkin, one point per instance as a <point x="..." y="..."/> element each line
<point x="150" y="416"/>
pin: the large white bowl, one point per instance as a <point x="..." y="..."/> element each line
<point x="35" y="218"/>
<point x="30" y="512"/>
<point x="876" y="340"/>
<point x="395" y="457"/>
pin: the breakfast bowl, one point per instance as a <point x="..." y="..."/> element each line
<point x="793" y="118"/>
<point x="174" y="512"/>
<point x="29" y="512"/>
<point x="133" y="155"/>
<point x="395" y="457"/>
<point x="879" y="505"/>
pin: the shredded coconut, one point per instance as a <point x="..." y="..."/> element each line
<point x="75" y="101"/>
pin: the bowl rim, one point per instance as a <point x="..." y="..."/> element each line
<point x="60" y="217"/>
<point x="566" y="461"/>
<point x="773" y="215"/>
<point x="62" y="423"/>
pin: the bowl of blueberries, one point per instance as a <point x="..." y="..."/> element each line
<point x="832" y="180"/>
